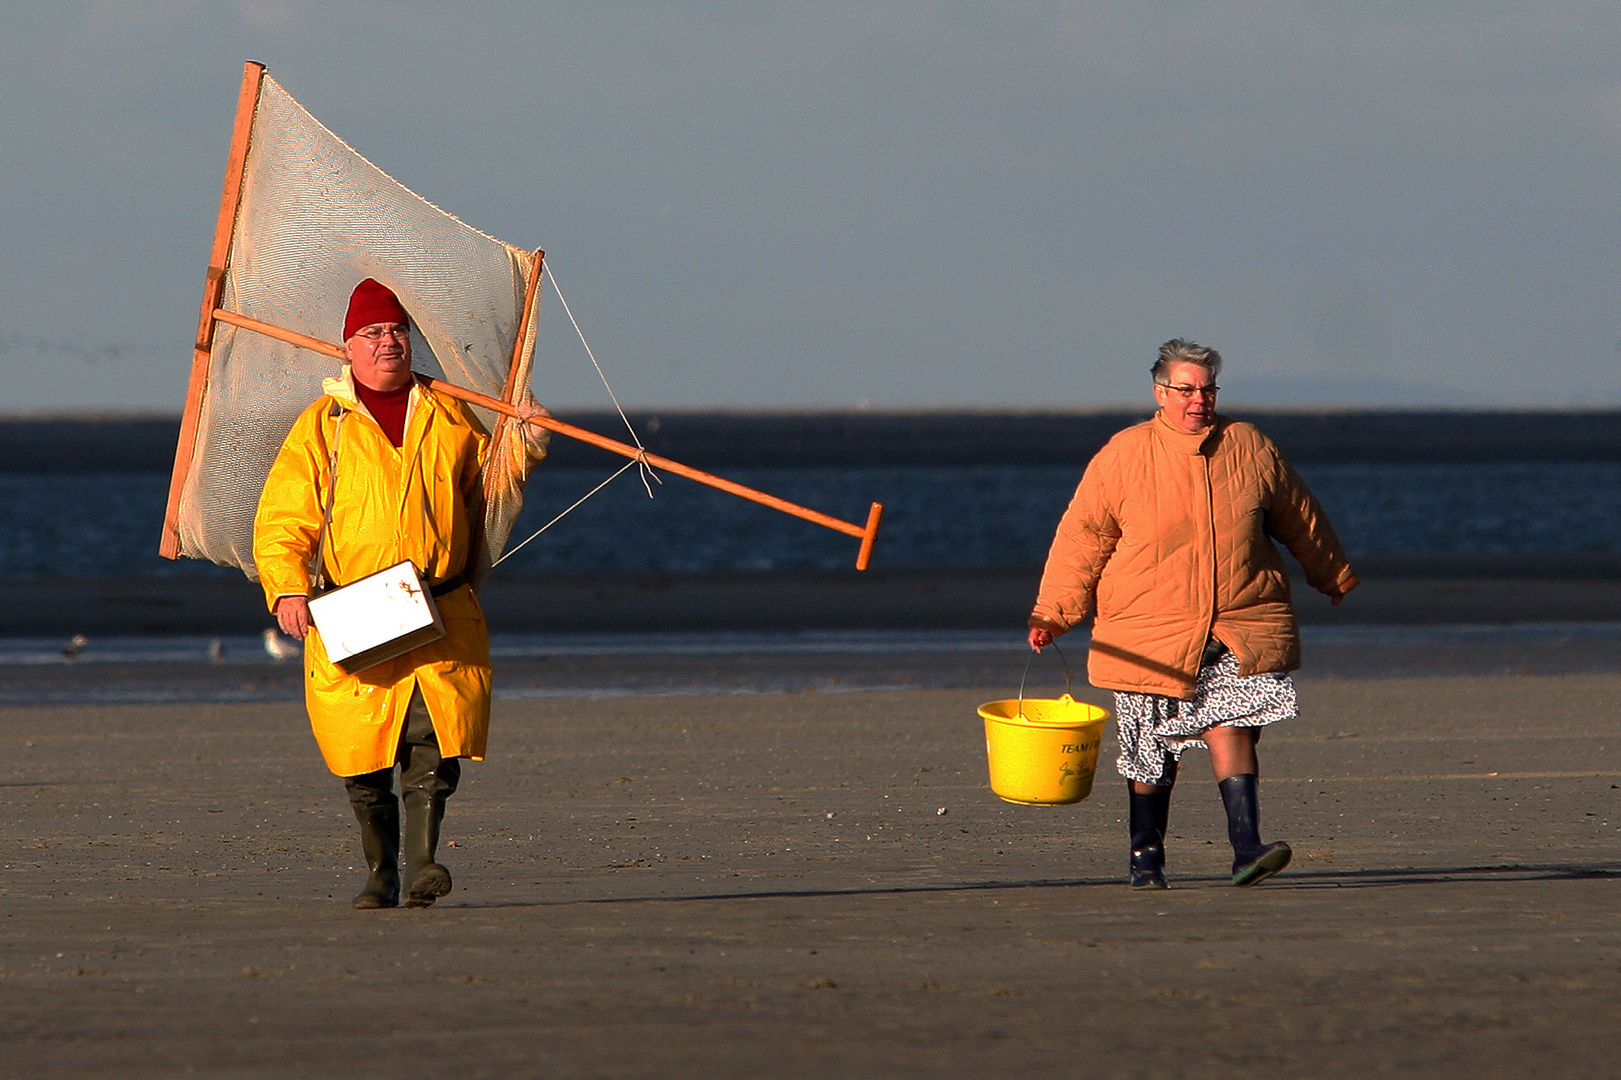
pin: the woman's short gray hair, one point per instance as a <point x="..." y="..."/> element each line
<point x="1181" y="351"/>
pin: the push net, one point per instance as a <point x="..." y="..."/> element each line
<point x="315" y="219"/>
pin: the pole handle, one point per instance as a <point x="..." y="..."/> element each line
<point x="869" y="535"/>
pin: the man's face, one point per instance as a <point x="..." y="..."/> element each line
<point x="1189" y="401"/>
<point x="381" y="355"/>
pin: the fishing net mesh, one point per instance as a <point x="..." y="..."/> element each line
<point x="315" y="219"/>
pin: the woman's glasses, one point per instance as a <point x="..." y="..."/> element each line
<point x="1185" y="391"/>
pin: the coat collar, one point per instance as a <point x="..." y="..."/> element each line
<point x="341" y="388"/>
<point x="1182" y="442"/>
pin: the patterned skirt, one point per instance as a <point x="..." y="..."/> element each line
<point x="1154" y="730"/>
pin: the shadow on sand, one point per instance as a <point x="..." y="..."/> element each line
<point x="1324" y="879"/>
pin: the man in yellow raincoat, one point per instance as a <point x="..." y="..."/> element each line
<point x="408" y="485"/>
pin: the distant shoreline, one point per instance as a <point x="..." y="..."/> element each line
<point x="718" y="438"/>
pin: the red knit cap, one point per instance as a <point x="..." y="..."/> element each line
<point x="370" y="303"/>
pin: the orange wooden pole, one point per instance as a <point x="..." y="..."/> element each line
<point x="536" y="262"/>
<point x="658" y="461"/>
<point x="867" y="534"/>
<point x="291" y="337"/>
<point x="247" y="102"/>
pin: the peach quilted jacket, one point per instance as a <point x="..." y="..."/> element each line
<point x="1170" y="537"/>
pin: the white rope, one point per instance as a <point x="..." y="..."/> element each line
<point x="641" y="460"/>
<point x="511" y="551"/>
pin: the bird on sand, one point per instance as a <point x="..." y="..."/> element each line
<point x="216" y="651"/>
<point x="279" y="647"/>
<point x="75" y="646"/>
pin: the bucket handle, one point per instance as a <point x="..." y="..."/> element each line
<point x="1069" y="683"/>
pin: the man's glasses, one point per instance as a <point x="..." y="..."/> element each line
<point x="375" y="334"/>
<point x="1185" y="391"/>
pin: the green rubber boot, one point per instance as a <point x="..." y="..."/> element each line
<point x="380" y="843"/>
<point x="426" y="880"/>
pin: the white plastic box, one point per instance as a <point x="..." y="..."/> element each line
<point x="376" y="618"/>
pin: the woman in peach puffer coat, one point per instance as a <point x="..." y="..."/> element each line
<point x="1169" y="542"/>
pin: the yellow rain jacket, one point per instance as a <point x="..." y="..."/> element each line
<point x="422" y="502"/>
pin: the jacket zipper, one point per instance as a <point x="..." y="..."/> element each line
<point x="1215" y="571"/>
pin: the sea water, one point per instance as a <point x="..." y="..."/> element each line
<point x="959" y="517"/>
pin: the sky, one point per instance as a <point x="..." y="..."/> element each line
<point x="871" y="204"/>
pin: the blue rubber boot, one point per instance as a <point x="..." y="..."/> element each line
<point x="1253" y="861"/>
<point x="1149" y="816"/>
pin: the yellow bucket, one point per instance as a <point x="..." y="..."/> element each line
<point x="1045" y="753"/>
<point x="1041" y="751"/>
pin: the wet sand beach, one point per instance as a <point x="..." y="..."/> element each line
<point x="709" y="841"/>
<point x="818" y="884"/>
<point x="1426" y="590"/>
